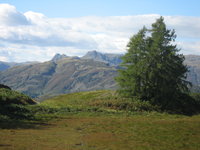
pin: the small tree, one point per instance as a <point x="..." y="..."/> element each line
<point x="153" y="70"/>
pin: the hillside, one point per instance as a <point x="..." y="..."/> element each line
<point x="193" y="63"/>
<point x="12" y="104"/>
<point x="65" y="75"/>
<point x="9" y="96"/>
<point x="6" y="65"/>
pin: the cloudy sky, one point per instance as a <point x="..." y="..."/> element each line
<point x="36" y="30"/>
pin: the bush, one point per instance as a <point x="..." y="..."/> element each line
<point x="125" y="104"/>
<point x="41" y="109"/>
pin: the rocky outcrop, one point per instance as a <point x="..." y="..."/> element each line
<point x="111" y="59"/>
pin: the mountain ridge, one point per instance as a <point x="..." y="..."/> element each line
<point x="7" y="65"/>
<point x="111" y="59"/>
<point x="65" y="74"/>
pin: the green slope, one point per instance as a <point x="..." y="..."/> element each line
<point x="13" y="105"/>
<point x="102" y="100"/>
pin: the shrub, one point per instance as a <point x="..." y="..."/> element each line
<point x="125" y="104"/>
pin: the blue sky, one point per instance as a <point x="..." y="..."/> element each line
<point x="35" y="30"/>
<point x="77" y="8"/>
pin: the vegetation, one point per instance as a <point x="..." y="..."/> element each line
<point x="99" y="120"/>
<point x="12" y="104"/>
<point x="153" y="70"/>
<point x="101" y="101"/>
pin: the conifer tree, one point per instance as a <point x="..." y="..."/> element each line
<point x="153" y="70"/>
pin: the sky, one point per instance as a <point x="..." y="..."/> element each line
<point x="36" y="30"/>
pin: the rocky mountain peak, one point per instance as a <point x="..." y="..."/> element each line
<point x="111" y="59"/>
<point x="58" y="57"/>
<point x="93" y="54"/>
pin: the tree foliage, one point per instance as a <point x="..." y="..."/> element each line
<point x="153" y="70"/>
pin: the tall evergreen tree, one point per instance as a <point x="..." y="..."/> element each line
<point x="153" y="70"/>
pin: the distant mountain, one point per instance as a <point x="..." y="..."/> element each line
<point x="111" y="59"/>
<point x="7" y="65"/>
<point x="58" y="57"/>
<point x="66" y="75"/>
<point x="193" y="63"/>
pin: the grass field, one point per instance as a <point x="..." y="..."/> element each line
<point x="93" y="123"/>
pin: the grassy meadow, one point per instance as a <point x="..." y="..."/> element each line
<point x="99" y="120"/>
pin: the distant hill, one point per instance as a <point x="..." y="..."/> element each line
<point x="7" y="65"/>
<point x="193" y="63"/>
<point x="64" y="74"/>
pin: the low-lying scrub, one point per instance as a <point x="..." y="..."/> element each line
<point x="124" y="104"/>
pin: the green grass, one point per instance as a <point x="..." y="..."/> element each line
<point x="13" y="104"/>
<point x="102" y="99"/>
<point x="8" y="96"/>
<point x="97" y="121"/>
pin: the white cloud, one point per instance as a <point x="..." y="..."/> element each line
<point x="33" y="36"/>
<point x="35" y="18"/>
<point x="190" y="47"/>
<point x="11" y="17"/>
<point x="186" y="27"/>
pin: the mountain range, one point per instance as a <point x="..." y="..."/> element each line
<point x="7" y="65"/>
<point x="64" y="74"/>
